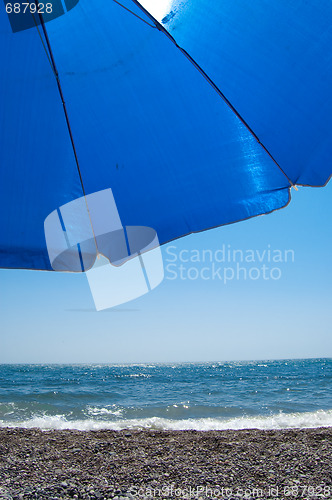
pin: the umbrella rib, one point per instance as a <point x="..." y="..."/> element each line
<point x="161" y="28"/>
<point x="56" y="74"/>
<point x="133" y="13"/>
<point x="42" y="41"/>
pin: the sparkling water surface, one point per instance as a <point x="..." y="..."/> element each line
<point x="202" y="396"/>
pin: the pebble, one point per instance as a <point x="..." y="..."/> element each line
<point x="85" y="460"/>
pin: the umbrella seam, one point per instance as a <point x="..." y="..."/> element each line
<point x="133" y="13"/>
<point x="56" y="74"/>
<point x="161" y="28"/>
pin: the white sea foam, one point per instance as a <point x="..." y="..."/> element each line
<point x="95" y="410"/>
<point x="281" y="420"/>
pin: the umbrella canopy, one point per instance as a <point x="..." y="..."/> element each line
<point x="205" y="119"/>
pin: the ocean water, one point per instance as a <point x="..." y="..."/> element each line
<point x="221" y="395"/>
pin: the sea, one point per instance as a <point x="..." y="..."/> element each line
<point x="279" y="394"/>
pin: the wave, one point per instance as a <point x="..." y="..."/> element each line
<point x="319" y="418"/>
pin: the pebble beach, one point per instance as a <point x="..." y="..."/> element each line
<point x="126" y="464"/>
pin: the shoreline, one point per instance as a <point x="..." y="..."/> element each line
<point x="105" y="464"/>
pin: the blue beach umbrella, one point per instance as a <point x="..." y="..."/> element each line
<point x="206" y="118"/>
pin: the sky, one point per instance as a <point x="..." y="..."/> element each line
<point x="204" y="310"/>
<point x="158" y="8"/>
<point x="193" y="315"/>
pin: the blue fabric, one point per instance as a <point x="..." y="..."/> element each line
<point x="147" y="124"/>
<point x="273" y="61"/>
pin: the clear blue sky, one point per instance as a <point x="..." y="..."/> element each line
<point x="50" y="317"/>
